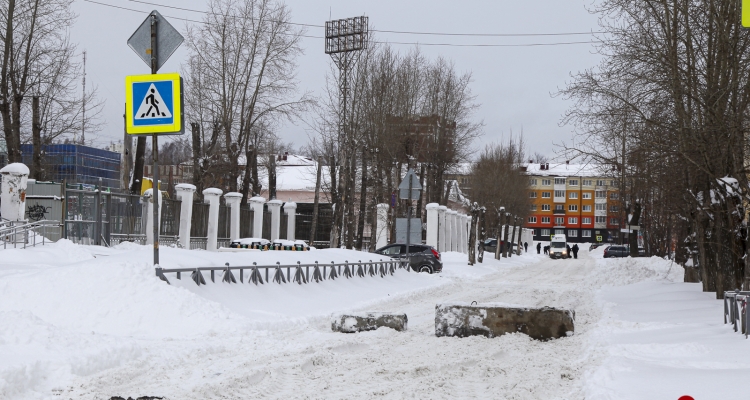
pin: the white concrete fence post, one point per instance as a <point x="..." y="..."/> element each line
<point x="13" y="195"/>
<point x="450" y="234"/>
<point x="432" y="224"/>
<point x="185" y="193"/>
<point x="441" y="227"/>
<point x="290" y="209"/>
<point x="149" y="197"/>
<point x="275" y="207"/>
<point x="381" y="230"/>
<point x="256" y="204"/>
<point x="233" y="200"/>
<point x="211" y="196"/>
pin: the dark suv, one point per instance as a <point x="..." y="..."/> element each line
<point x="423" y="258"/>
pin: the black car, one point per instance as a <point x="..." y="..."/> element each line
<point x="491" y="244"/>
<point x="621" y="251"/>
<point x="423" y="258"/>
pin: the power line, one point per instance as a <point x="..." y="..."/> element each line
<point x="394" y="31"/>
<point x="380" y="42"/>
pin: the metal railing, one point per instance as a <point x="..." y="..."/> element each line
<point x="26" y="233"/>
<point x="735" y="310"/>
<point x="301" y="274"/>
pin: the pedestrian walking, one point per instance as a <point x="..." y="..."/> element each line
<point x="526" y="247"/>
<point x="569" y="252"/>
<point x="575" y="251"/>
<point x="538" y="248"/>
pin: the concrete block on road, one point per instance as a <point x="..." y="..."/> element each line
<point x="495" y="319"/>
<point x="350" y="323"/>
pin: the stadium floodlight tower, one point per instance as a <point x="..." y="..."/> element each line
<point x="345" y="40"/>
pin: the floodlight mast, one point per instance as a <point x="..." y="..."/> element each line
<point x="344" y="41"/>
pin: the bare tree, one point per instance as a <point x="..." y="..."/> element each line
<point x="242" y="71"/>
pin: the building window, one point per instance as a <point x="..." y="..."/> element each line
<point x="545" y="220"/>
<point x="559" y="220"/>
<point x="532" y="182"/>
<point x="559" y="231"/>
<point x="601" y="182"/>
<point x="600" y="219"/>
<point x="572" y="233"/>
<point x="614" y="196"/>
<point x="559" y="207"/>
<point x="585" y="233"/>
<point x="587" y="208"/>
<point x="546" y="182"/>
<point x="586" y="220"/>
<point x="532" y="220"/>
<point x="601" y="194"/>
<point x="533" y="207"/>
<point x="611" y="183"/>
<point x="573" y="195"/>
<point x="573" y="182"/>
<point x="587" y="182"/>
<point x="586" y="196"/>
<point x="572" y="220"/>
<point x="573" y="207"/>
<point x="532" y="195"/>
<point x="601" y="207"/>
<point x="614" y="209"/>
<point x="545" y="195"/>
<point x="545" y="232"/>
<point x="559" y="181"/>
<point x="545" y="207"/>
<point x="559" y="193"/>
<point x="614" y="221"/>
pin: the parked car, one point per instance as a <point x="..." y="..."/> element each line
<point x="491" y="244"/>
<point x="423" y="258"/>
<point x="251" y="243"/>
<point x="621" y="251"/>
<point x="594" y="246"/>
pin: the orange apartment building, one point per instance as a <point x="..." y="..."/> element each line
<point x="580" y="201"/>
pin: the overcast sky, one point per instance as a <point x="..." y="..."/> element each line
<point x="512" y="84"/>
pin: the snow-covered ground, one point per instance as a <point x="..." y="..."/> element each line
<point x="92" y="322"/>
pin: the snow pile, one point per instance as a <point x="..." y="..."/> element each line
<point x="625" y="271"/>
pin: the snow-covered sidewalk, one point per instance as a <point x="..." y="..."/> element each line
<point x="91" y="322"/>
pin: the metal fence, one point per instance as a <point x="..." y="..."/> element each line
<point x="283" y="273"/>
<point x="735" y="309"/>
<point x="199" y="226"/>
<point x="126" y="219"/>
<point x="246" y="222"/>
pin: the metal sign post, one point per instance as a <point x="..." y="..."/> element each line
<point x="409" y="189"/>
<point x="153" y="115"/>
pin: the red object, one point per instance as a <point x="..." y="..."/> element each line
<point x="686" y="398"/>
<point x="435" y="253"/>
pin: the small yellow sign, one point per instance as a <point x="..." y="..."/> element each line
<point x="153" y="104"/>
<point x="746" y="13"/>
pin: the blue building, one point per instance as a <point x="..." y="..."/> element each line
<point x="77" y="164"/>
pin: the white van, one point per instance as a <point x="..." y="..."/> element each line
<point x="558" y="247"/>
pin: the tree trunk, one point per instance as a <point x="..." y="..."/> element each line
<point x="314" y="225"/>
<point x="633" y="235"/>
<point x="473" y="234"/>
<point x="140" y="151"/>
<point x="482" y="238"/>
<point x="195" y="129"/>
<point x="271" y="177"/>
<point x="362" y="202"/>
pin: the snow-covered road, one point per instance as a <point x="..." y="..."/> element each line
<point x="309" y="361"/>
<point x="85" y="322"/>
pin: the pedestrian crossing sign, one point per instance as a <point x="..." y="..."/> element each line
<point x="153" y="104"/>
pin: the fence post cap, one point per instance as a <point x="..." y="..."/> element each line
<point x="185" y="186"/>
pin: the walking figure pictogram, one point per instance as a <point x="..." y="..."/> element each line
<point x="152" y="102"/>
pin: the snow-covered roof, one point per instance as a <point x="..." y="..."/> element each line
<point x="564" y="169"/>
<point x="15" y="169"/>
<point x="299" y="177"/>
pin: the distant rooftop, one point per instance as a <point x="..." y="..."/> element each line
<point x="564" y="169"/>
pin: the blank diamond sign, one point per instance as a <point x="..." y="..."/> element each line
<point x="168" y="39"/>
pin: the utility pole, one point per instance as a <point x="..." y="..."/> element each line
<point x="36" y="139"/>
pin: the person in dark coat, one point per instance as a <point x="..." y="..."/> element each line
<point x="546" y="249"/>
<point x="568" y="246"/>
<point x="526" y="247"/>
<point x="575" y="251"/>
<point x="538" y="248"/>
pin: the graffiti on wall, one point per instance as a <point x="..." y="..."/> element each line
<point x="37" y="212"/>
